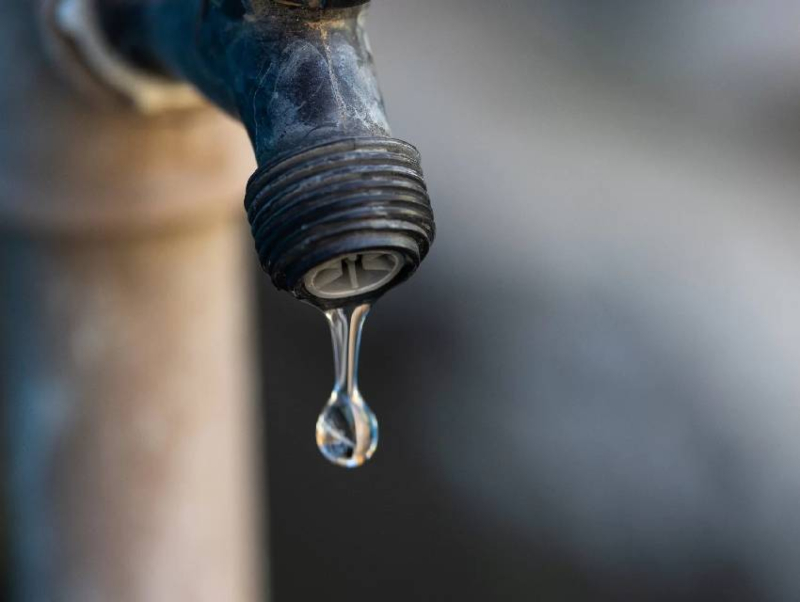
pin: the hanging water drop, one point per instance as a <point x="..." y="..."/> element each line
<point x="347" y="430"/>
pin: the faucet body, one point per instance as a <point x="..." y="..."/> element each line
<point x="294" y="76"/>
<point x="332" y="183"/>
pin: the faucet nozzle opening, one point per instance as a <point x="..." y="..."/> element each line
<point x="353" y="275"/>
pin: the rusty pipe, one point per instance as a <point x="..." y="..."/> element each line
<point x="126" y="342"/>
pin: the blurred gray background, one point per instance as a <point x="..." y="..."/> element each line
<point x="590" y="391"/>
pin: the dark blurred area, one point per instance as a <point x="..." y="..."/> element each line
<point x="590" y="390"/>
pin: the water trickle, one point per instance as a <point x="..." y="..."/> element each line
<point x="347" y="430"/>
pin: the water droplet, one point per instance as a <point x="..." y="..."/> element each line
<point x="347" y="430"/>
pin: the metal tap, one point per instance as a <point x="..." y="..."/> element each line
<point x="339" y="209"/>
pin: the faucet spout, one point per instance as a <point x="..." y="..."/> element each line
<point x="333" y="188"/>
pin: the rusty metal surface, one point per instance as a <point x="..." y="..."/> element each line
<point x="128" y="390"/>
<point x="69" y="164"/>
<point x="125" y="338"/>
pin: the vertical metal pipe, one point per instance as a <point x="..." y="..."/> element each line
<point x="128" y="382"/>
<point x="125" y="334"/>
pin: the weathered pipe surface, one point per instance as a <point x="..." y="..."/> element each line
<point x="67" y="163"/>
<point x="125" y="340"/>
<point x="331" y="180"/>
<point x="127" y="399"/>
<point x="295" y="77"/>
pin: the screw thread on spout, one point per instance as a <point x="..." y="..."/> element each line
<point x="348" y="197"/>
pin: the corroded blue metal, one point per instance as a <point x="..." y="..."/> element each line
<point x="293" y="76"/>
<point x="300" y="76"/>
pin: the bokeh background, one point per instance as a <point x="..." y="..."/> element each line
<point x="590" y="391"/>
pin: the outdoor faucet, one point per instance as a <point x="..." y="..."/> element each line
<point x="339" y="209"/>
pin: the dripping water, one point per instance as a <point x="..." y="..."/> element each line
<point x="347" y="430"/>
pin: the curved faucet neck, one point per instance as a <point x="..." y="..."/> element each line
<point x="295" y="76"/>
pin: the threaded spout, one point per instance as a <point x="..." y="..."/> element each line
<point x="331" y="182"/>
<point x="348" y="197"/>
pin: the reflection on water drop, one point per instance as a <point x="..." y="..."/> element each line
<point x="347" y="430"/>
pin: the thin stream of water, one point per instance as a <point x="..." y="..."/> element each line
<point x="347" y="430"/>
